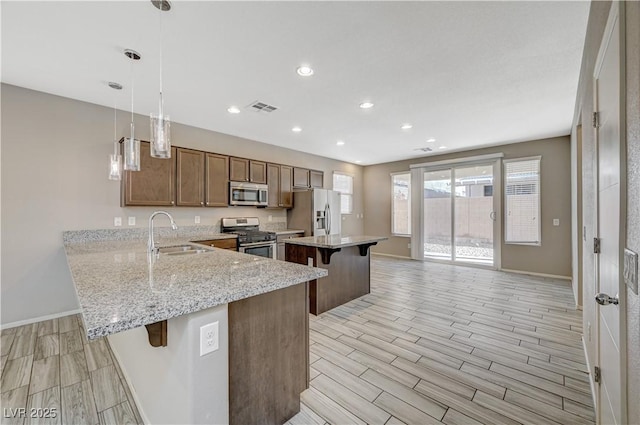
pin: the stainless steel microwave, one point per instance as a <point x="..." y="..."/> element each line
<point x="247" y="194"/>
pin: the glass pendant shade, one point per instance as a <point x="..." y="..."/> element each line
<point x="115" y="168"/>
<point x="160" y="134"/>
<point x="131" y="153"/>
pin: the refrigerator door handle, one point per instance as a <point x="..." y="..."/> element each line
<point x="327" y="213"/>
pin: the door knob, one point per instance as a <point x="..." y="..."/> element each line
<point x="604" y="299"/>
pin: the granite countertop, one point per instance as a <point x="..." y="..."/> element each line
<point x="118" y="287"/>
<point x="335" y="241"/>
<point x="288" y="231"/>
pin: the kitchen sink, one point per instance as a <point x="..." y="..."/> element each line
<point x="184" y="250"/>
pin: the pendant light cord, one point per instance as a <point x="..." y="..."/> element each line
<point x="115" y="127"/>
<point x="132" y="88"/>
<point x="161" y="111"/>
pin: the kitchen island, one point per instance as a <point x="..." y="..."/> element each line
<point x="152" y="310"/>
<point x="347" y="260"/>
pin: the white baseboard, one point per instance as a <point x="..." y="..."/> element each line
<point x="589" y="368"/>
<point x="39" y="319"/>
<point x="391" y="255"/>
<point x="127" y="382"/>
<point x="553" y="276"/>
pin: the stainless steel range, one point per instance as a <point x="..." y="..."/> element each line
<point x="251" y="240"/>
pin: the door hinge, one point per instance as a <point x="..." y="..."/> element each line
<point x="595" y="120"/>
<point x="596" y="374"/>
<point x="596" y="245"/>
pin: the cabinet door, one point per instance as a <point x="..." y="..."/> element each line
<point x="238" y="169"/>
<point x="189" y="178"/>
<point x="258" y="172"/>
<point x="273" y="183"/>
<point x="316" y="179"/>
<point x="286" y="179"/>
<point x="300" y="177"/>
<point x="154" y="184"/>
<point x="216" y="180"/>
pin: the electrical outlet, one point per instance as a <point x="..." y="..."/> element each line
<point x="270" y="218"/>
<point x="208" y="338"/>
<point x="132" y="221"/>
<point x="197" y="219"/>
<point x="409" y="245"/>
<point x="117" y="221"/>
<point x="556" y="222"/>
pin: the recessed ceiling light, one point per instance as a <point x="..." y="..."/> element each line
<point x="340" y="143"/>
<point x="406" y="126"/>
<point x="366" y="105"/>
<point x="431" y="140"/>
<point x="233" y="110"/>
<point x="304" y="71"/>
<point x="296" y="129"/>
<point x="358" y="162"/>
<point x="442" y="147"/>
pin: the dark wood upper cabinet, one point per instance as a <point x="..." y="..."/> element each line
<point x="189" y="178"/>
<point x="216" y="180"/>
<point x="238" y="169"/>
<point x="154" y="184"/>
<point x="300" y="177"/>
<point x="257" y="172"/>
<point x="273" y="183"/>
<point x="316" y="178"/>
<point x="286" y="188"/>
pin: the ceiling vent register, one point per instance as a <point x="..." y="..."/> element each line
<point x="262" y="107"/>
<point x="424" y="149"/>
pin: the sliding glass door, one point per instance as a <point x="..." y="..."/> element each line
<point x="459" y="212"/>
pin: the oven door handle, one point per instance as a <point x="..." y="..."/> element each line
<point x="253" y="244"/>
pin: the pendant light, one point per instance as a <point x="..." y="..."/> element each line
<point x="115" y="159"/>
<point x="160" y="124"/>
<point x="131" y="144"/>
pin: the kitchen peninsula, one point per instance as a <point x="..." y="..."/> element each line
<point x="347" y="260"/>
<point x="260" y="306"/>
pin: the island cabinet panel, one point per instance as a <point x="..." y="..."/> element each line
<point x="316" y="179"/>
<point x="189" y="177"/>
<point x="268" y="356"/>
<point x="154" y="184"/>
<point x="257" y="172"/>
<point x="216" y="180"/>
<point x="238" y="169"/>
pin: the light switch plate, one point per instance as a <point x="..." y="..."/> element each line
<point x="132" y="221"/>
<point x="631" y="270"/>
<point x="556" y="222"/>
<point x="117" y="221"/>
<point x="208" y="338"/>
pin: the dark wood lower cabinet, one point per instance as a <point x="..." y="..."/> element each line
<point x="268" y="356"/>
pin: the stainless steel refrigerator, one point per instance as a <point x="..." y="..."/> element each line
<point x="315" y="211"/>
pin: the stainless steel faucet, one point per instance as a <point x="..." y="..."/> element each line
<point x="151" y="245"/>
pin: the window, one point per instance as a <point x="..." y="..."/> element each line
<point x="343" y="183"/>
<point x="522" y="198"/>
<point x="401" y="204"/>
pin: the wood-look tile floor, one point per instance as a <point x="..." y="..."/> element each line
<point x="435" y="343"/>
<point x="50" y="369"/>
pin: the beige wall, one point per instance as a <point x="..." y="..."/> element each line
<point x="553" y="257"/>
<point x="54" y="178"/>
<point x="584" y="108"/>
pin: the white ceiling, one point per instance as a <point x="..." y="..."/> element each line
<point x="466" y="73"/>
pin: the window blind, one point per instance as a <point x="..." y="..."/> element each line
<point x="522" y="197"/>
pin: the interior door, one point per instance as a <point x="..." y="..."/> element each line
<point x="611" y="397"/>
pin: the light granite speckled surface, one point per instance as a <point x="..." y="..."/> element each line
<point x="160" y="233"/>
<point x="335" y="241"/>
<point x="118" y="287"/>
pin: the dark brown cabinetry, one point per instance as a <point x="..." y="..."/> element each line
<point x="279" y="182"/>
<point x="190" y="180"/>
<point x="154" y="184"/>
<point x="216" y="180"/>
<point x="246" y="170"/>
<point x="304" y="178"/>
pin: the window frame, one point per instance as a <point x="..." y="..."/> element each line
<point x="350" y="194"/>
<point x="393" y="233"/>
<point x="505" y="162"/>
